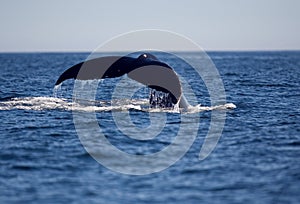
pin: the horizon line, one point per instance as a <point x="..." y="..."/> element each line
<point x="120" y="51"/>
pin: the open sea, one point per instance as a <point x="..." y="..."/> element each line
<point x="257" y="159"/>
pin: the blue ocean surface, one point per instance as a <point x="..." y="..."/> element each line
<point x="257" y="159"/>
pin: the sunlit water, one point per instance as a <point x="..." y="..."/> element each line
<point x="255" y="161"/>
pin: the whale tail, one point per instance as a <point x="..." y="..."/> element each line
<point x="70" y="73"/>
<point x="146" y="69"/>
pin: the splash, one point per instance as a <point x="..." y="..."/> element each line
<point x="158" y="99"/>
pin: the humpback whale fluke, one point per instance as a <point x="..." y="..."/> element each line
<point x="146" y="69"/>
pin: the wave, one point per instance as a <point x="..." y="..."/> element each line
<point x="62" y="104"/>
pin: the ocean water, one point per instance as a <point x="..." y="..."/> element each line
<point x="257" y="159"/>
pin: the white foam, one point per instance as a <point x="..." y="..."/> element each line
<point x="52" y="103"/>
<point x="35" y="103"/>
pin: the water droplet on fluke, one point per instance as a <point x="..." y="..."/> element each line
<point x="56" y="90"/>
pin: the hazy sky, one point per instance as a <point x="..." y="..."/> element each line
<point x="70" y="25"/>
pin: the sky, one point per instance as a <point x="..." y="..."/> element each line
<point x="82" y="25"/>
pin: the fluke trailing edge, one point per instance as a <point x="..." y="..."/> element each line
<point x="146" y="69"/>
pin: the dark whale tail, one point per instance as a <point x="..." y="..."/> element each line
<point x="146" y="69"/>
